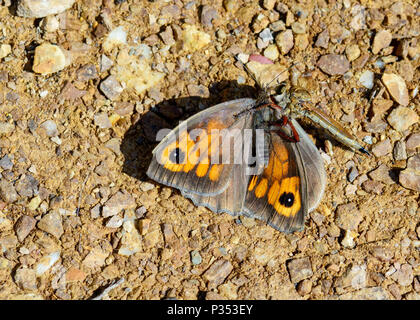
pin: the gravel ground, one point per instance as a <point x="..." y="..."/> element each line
<point x="84" y="87"/>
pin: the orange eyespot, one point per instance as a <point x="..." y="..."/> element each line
<point x="288" y="202"/>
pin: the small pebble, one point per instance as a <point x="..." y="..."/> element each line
<point x="402" y="118"/>
<point x="167" y="36"/>
<point x="382" y="148"/>
<point x="193" y="39"/>
<point x="231" y="5"/>
<point x="355" y="276"/>
<point x="42" y="8"/>
<point x="299" y="269"/>
<point x="366" y="79"/>
<point x="6" y="128"/>
<point x="102" y="120"/>
<point x="208" y="14"/>
<point x="49" y="58"/>
<point x="284" y="41"/>
<point x="271" y="52"/>
<point x="266" y="35"/>
<point x="380" y="108"/>
<point x="352" y="52"/>
<point x="410" y="177"/>
<point x="396" y="87"/>
<point x="111" y="88"/>
<point x="382" y="174"/>
<point x="243" y="57"/>
<point x="24" y="226"/>
<point x="350" y="190"/>
<point x="118" y="202"/>
<point x="116" y="37"/>
<point x="218" y="272"/>
<point x="106" y="63"/>
<point x="50" y="128"/>
<point x="198" y="91"/>
<point x="382" y="253"/>
<point x="144" y="225"/>
<point x="196" y="257"/>
<point x="358" y="21"/>
<point x="367" y="139"/>
<point x="27" y="185"/>
<point x="323" y="39"/>
<point x="382" y="40"/>
<point x="304" y="287"/>
<point x="50" y="24"/>
<point x="404" y="276"/>
<point x="399" y="152"/>
<point x="372" y="186"/>
<point x="7" y="191"/>
<point x="353" y="174"/>
<point x="131" y="241"/>
<point x="413" y="141"/>
<point x="25" y="278"/>
<point x="6" y="163"/>
<point x="301" y="41"/>
<point x="348" y="240"/>
<point x="5" y="50"/>
<point x="334" y="64"/>
<point x="140" y="212"/>
<point x="52" y="224"/>
<point x="268" y="4"/>
<point x="277" y="26"/>
<point x="241" y="80"/>
<point x="298" y="28"/>
<point x="95" y="212"/>
<point x="34" y="203"/>
<point x="46" y="262"/>
<point x="114" y="222"/>
<point x="348" y="217"/>
<point x="87" y="72"/>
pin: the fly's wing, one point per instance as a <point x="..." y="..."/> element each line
<point x="197" y="157"/>
<point x="290" y="185"/>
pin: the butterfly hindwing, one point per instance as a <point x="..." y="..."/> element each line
<point x="279" y="195"/>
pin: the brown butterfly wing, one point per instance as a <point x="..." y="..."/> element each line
<point x="184" y="159"/>
<point x="290" y="186"/>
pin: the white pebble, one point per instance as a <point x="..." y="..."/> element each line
<point x="366" y="79"/>
<point x="243" y="57"/>
<point x="43" y="94"/>
<point x="115" y="37"/>
<point x="50" y="128"/>
<point x="241" y="80"/>
<point x="46" y="262"/>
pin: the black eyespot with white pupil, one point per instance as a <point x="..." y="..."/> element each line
<point x="287" y="199"/>
<point x="176" y="156"/>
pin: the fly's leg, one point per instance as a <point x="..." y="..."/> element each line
<point x="284" y="121"/>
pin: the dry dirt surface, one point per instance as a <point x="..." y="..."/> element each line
<point x="86" y="84"/>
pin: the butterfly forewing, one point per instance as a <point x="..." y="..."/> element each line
<point x="197" y="156"/>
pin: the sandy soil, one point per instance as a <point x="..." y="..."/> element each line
<point x="78" y="214"/>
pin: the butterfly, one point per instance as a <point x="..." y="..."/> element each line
<point x="250" y="157"/>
